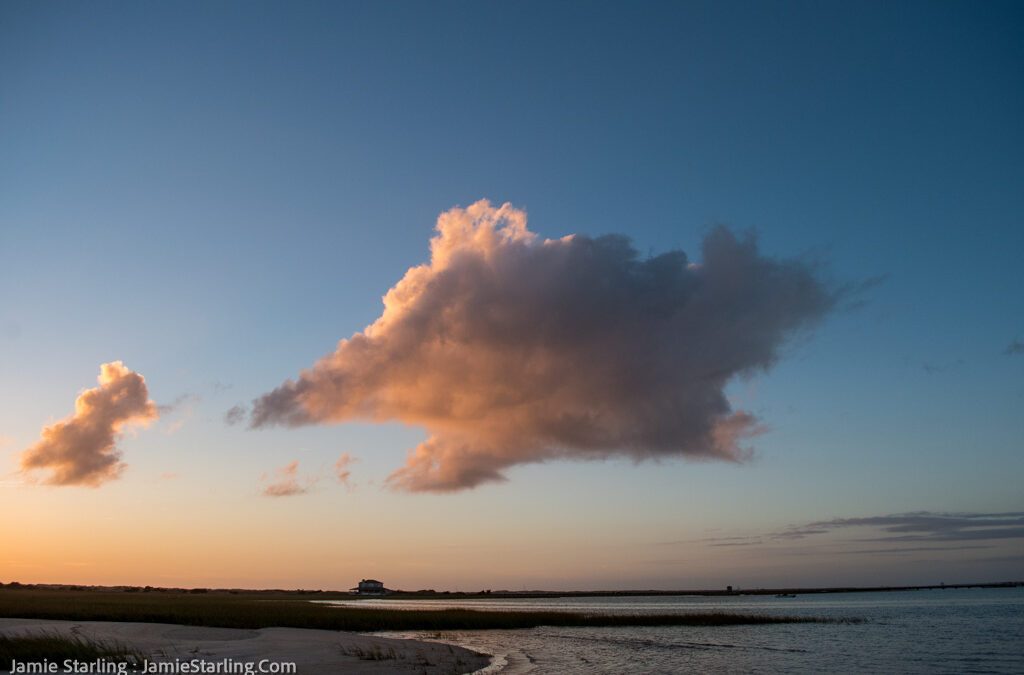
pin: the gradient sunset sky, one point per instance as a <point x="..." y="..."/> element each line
<point x="198" y="201"/>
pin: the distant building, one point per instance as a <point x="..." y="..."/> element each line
<point x="369" y="587"/>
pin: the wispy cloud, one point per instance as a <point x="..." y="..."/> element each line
<point x="235" y="415"/>
<point x="184" y="404"/>
<point x="81" y="449"/>
<point x="921" y="526"/>
<point x="510" y="349"/>
<point x="915" y="549"/>
<point x="749" y="540"/>
<point x="744" y="541"/>
<point x="934" y="369"/>
<point x="855" y="293"/>
<point x="181" y="400"/>
<point x="341" y="469"/>
<point x="1014" y="348"/>
<point x="895" y="534"/>
<point x="283" y="482"/>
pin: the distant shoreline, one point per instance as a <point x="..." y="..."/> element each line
<point x="434" y="594"/>
<point x="412" y="595"/>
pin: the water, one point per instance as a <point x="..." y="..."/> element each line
<point x="937" y="631"/>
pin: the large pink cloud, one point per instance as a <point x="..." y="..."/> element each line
<point x="81" y="449"/>
<point x="510" y="349"/>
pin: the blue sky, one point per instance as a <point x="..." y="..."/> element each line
<point x="216" y="193"/>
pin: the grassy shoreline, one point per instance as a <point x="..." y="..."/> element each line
<point x="264" y="610"/>
<point x="55" y="649"/>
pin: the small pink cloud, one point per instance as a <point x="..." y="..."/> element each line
<point x="341" y="469"/>
<point x="284" y="482"/>
<point x="81" y="449"/>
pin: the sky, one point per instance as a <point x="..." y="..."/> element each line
<point x="468" y="295"/>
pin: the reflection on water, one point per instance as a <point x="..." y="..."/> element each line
<point x="937" y="631"/>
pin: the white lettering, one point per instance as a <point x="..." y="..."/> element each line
<point x="44" y="666"/>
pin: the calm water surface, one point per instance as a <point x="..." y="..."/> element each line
<point x="937" y="631"/>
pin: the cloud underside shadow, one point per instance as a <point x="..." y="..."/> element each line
<point x="510" y="349"/>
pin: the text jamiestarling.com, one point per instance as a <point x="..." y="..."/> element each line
<point x="155" y="667"/>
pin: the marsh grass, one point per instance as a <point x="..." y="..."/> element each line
<point x="264" y="610"/>
<point x="374" y="653"/>
<point x="56" y="649"/>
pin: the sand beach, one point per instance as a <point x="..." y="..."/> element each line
<point x="175" y="648"/>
